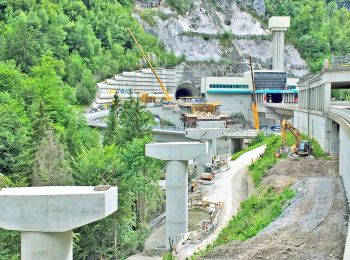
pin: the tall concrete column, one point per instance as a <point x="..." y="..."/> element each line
<point x="176" y="199"/>
<point x="44" y="245"/>
<point x="214" y="147"/>
<point x="278" y="50"/>
<point x="177" y="156"/>
<point x="46" y="216"/>
<point x="278" y="25"/>
<point x="334" y="139"/>
<point x="327" y="96"/>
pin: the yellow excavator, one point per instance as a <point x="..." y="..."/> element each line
<point x="300" y="147"/>
<point x="167" y="96"/>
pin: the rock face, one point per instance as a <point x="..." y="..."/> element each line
<point x="149" y="3"/>
<point x="257" y="5"/>
<point x="219" y="35"/>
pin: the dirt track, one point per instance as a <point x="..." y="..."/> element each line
<point x="314" y="226"/>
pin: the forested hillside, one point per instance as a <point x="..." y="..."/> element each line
<point x="89" y="38"/>
<point x="318" y="28"/>
<point x="51" y="55"/>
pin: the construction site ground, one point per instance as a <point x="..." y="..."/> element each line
<point x="156" y="240"/>
<point x="230" y="187"/>
<point x="313" y="226"/>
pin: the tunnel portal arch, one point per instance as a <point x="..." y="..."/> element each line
<point x="186" y="90"/>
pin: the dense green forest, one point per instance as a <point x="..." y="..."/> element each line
<point x="52" y="53"/>
<point x="318" y="28"/>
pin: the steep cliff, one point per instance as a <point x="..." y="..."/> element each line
<point x="217" y="33"/>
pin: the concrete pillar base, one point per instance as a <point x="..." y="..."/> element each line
<point x="44" y="245"/>
<point x="176" y="201"/>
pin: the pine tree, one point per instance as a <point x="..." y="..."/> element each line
<point x="111" y="133"/>
<point x="50" y="166"/>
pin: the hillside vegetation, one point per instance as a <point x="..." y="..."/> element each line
<point x="88" y="38"/>
<point x="52" y="53"/>
<point x="319" y="28"/>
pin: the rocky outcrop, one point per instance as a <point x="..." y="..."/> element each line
<point x="149" y="3"/>
<point x="215" y="32"/>
<point x="257" y="5"/>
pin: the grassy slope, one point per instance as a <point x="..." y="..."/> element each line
<point x="258" y="211"/>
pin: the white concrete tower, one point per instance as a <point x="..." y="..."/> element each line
<point x="46" y="216"/>
<point x="177" y="156"/>
<point x="278" y="25"/>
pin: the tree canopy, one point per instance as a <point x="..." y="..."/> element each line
<point x="318" y="28"/>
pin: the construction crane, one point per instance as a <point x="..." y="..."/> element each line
<point x="166" y="93"/>
<point x="299" y="147"/>
<point x="254" y="104"/>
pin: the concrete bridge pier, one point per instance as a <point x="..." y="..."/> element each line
<point x="237" y="145"/>
<point x="207" y="134"/>
<point x="334" y="139"/>
<point x="177" y="156"/>
<point x="46" y="216"/>
<point x="278" y="25"/>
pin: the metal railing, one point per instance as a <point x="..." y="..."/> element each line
<point x="340" y="61"/>
<point x="169" y="128"/>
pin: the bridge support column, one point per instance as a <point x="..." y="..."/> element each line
<point x="46" y="216"/>
<point x="334" y="140"/>
<point x="177" y="156"/>
<point x="237" y="145"/>
<point x="278" y="25"/>
<point x="207" y="134"/>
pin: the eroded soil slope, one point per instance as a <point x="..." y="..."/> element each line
<point x="313" y="226"/>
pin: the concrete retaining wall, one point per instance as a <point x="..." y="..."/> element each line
<point x="344" y="160"/>
<point x="318" y="127"/>
<point x="233" y="104"/>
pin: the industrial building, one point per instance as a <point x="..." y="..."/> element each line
<point x="235" y="93"/>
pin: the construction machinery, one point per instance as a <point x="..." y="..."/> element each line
<point x="300" y="147"/>
<point x="254" y="103"/>
<point x="167" y="96"/>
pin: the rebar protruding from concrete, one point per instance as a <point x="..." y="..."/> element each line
<point x="46" y="216"/>
<point x="278" y="25"/>
<point x="177" y="156"/>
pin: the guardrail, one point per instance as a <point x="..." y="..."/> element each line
<point x="240" y="133"/>
<point x="342" y="112"/>
<point x="169" y="128"/>
<point x="281" y="105"/>
<point x="340" y="103"/>
<point x="340" y="60"/>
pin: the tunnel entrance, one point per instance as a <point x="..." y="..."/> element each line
<point x="186" y="90"/>
<point x="183" y="92"/>
<point x="274" y="98"/>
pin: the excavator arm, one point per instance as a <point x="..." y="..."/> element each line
<point x="166" y="93"/>
<point x="288" y="126"/>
